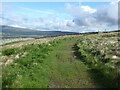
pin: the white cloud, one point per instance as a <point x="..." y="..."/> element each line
<point x="17" y="26"/>
<point x="88" y="9"/>
<point x="108" y="14"/>
<point x="104" y="17"/>
<point x="85" y="19"/>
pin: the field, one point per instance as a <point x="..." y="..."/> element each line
<point x="71" y="61"/>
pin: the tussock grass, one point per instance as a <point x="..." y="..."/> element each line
<point x="30" y="71"/>
<point x="59" y="63"/>
<point x="33" y="70"/>
<point x="97" y="51"/>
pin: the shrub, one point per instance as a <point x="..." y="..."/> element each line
<point x="8" y="52"/>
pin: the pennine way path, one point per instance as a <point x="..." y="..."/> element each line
<point x="69" y="71"/>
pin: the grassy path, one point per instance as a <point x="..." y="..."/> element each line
<point x="58" y="62"/>
<point x="53" y="65"/>
<point x="69" y="71"/>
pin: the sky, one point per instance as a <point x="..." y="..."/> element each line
<point x="61" y="16"/>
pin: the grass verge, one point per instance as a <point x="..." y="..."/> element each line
<point x="92" y="50"/>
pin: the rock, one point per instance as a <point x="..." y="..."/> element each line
<point x="115" y="57"/>
<point x="8" y="62"/>
<point x="17" y="56"/>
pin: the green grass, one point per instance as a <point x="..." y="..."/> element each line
<point x="12" y="51"/>
<point x="33" y="70"/>
<point x="46" y="65"/>
<point x="69" y="72"/>
<point x="30" y="71"/>
<point x="95" y="56"/>
<point x="63" y="63"/>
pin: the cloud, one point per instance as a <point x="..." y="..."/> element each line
<point x="17" y="26"/>
<point x="83" y="15"/>
<point x="88" y="9"/>
<point x="50" y="20"/>
<point x="103" y="17"/>
<point x="108" y="14"/>
<point x="82" y="18"/>
<point x="41" y="23"/>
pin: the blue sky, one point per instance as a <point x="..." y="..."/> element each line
<point x="51" y="6"/>
<point x="64" y="16"/>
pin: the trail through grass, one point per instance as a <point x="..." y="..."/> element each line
<point x="47" y="65"/>
<point x="59" y="63"/>
<point x="69" y="71"/>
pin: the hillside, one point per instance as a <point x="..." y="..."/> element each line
<point x="71" y="61"/>
<point x="9" y="32"/>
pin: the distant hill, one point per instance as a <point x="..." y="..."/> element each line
<point x="8" y="31"/>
